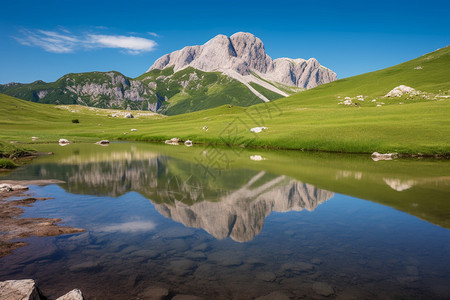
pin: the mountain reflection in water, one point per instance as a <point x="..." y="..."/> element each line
<point x="231" y="205"/>
<point x="135" y="200"/>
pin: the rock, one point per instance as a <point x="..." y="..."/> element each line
<point x="258" y="129"/>
<point x="33" y="138"/>
<point x="402" y="90"/>
<point x="103" y="142"/>
<point x="129" y="116"/>
<point x="348" y="102"/>
<point x="298" y="267"/>
<point x="274" y="296"/>
<point x="64" y="141"/>
<point x="25" y="289"/>
<point x="188" y="143"/>
<point x="205" y="128"/>
<point x="72" y="295"/>
<point x="4" y="187"/>
<point x="155" y="293"/>
<point x="383" y="156"/>
<point x="182" y="267"/>
<point x="19" y="188"/>
<point x="172" y="141"/>
<point x="242" y="54"/>
<point x="257" y="157"/>
<point x="133" y="129"/>
<point x="323" y="289"/>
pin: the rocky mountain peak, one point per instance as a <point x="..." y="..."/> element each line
<point x="243" y="54"/>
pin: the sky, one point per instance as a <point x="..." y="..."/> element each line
<point x="43" y="40"/>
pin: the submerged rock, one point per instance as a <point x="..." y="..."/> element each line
<point x="323" y="289"/>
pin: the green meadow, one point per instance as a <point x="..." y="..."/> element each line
<point x="310" y="120"/>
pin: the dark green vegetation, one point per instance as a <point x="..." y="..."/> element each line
<point x="10" y="151"/>
<point x="158" y="90"/>
<point x="311" y="120"/>
<point x="191" y="90"/>
<point x="7" y="164"/>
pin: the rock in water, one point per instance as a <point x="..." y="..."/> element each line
<point x="72" y="295"/>
<point x="323" y="289"/>
<point x="25" y="289"/>
<point x="241" y="55"/>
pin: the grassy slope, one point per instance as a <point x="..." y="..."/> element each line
<point x="309" y="120"/>
<point x="204" y="90"/>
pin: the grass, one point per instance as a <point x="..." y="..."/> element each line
<point x="265" y="92"/>
<point x="7" y="164"/>
<point x="310" y="120"/>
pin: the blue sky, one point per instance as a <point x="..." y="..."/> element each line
<point x="47" y="39"/>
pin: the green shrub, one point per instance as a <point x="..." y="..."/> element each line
<point x="7" y="164"/>
<point x="75" y="121"/>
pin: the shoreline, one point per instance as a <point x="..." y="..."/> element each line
<point x="14" y="228"/>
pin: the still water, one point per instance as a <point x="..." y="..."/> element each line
<point x="237" y="224"/>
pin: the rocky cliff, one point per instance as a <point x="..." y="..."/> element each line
<point x="242" y="56"/>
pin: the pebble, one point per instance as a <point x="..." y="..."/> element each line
<point x="323" y="289"/>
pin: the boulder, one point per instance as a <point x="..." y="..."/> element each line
<point x="5" y="187"/>
<point x="133" y="129"/>
<point x="129" y="116"/>
<point x="64" y="141"/>
<point x="383" y="156"/>
<point x="258" y="129"/>
<point x="72" y="295"/>
<point x="188" y="143"/>
<point x="401" y="90"/>
<point x="173" y="141"/>
<point x="257" y="157"/>
<point x="24" y="289"/>
<point x="323" y="289"/>
<point x="19" y="188"/>
<point x="103" y="142"/>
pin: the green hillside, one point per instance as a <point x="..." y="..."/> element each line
<point x="162" y="91"/>
<point x="311" y="120"/>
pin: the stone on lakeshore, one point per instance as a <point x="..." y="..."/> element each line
<point x="72" y="295"/>
<point x="64" y="141"/>
<point x="258" y="129"/>
<point x="103" y="142"/>
<point x="383" y="156"/>
<point x="25" y="289"/>
<point x="323" y="289"/>
<point x="129" y="116"/>
<point x="19" y="188"/>
<point x="188" y="143"/>
<point x="4" y="187"/>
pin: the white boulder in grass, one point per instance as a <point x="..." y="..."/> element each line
<point x="133" y="129"/>
<point x="257" y="157"/>
<point x="258" y="129"/>
<point x="64" y="141"/>
<point x="401" y="90"/>
<point x="188" y="143"/>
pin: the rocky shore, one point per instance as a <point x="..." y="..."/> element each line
<point x="26" y="289"/>
<point x="12" y="227"/>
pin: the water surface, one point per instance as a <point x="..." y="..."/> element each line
<point x="237" y="224"/>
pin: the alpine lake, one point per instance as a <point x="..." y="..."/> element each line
<point x="233" y="223"/>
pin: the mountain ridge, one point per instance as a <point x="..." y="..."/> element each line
<point x="242" y="54"/>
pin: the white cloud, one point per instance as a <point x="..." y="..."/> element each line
<point x="136" y="226"/>
<point x="132" y="44"/>
<point x="65" y="42"/>
<point x="153" y="34"/>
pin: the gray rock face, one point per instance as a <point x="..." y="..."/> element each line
<point x="244" y="53"/>
<point x="25" y="289"/>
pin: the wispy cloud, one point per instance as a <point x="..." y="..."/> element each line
<point x="63" y="41"/>
<point x="153" y="34"/>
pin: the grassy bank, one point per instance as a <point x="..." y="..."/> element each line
<point x="310" y="120"/>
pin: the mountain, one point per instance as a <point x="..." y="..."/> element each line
<point x="243" y="57"/>
<point x="233" y="70"/>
